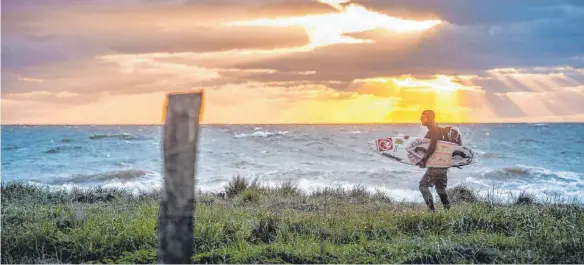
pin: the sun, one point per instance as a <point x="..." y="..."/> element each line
<point x="407" y="96"/>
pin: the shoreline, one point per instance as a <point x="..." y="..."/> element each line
<point x="494" y="193"/>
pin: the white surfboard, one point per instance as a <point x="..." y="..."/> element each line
<point x="411" y="150"/>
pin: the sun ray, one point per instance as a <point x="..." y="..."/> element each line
<point x="531" y="103"/>
<point x="536" y="82"/>
<point x="411" y="95"/>
<point x="331" y="28"/>
<point x="500" y="76"/>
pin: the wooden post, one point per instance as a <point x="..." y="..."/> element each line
<point x="176" y="214"/>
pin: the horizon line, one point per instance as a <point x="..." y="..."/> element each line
<point x="287" y="124"/>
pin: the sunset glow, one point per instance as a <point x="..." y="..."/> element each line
<point x="329" y="29"/>
<point x="304" y="61"/>
<point x="441" y="84"/>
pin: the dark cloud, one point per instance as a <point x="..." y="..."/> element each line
<point x="473" y="12"/>
<point x="19" y="53"/>
<point x="479" y="35"/>
<point x="447" y="49"/>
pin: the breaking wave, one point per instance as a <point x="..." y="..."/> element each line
<point x="60" y="149"/>
<point x="529" y="140"/>
<point x="522" y="171"/>
<point x="122" y="136"/>
<point x="491" y="155"/>
<point x="260" y="134"/>
<point x="10" y="147"/>
<point x="127" y="175"/>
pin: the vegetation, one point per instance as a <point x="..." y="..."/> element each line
<point x="251" y="223"/>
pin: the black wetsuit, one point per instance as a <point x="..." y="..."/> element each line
<point x="437" y="177"/>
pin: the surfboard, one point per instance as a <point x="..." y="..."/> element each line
<point x="411" y="150"/>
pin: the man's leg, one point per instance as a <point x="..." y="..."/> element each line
<point x="441" y="183"/>
<point x="425" y="184"/>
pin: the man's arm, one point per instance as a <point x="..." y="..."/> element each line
<point x="432" y="147"/>
<point x="427" y="135"/>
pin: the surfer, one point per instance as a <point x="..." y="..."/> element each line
<point x="434" y="176"/>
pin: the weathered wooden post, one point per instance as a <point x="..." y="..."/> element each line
<point x="176" y="214"/>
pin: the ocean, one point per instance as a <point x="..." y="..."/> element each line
<point x="544" y="159"/>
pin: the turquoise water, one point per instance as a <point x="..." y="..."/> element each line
<point x="546" y="159"/>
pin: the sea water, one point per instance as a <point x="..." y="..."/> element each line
<point x="544" y="159"/>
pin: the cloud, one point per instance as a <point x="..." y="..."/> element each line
<point x="202" y="39"/>
<point x="476" y="36"/>
<point x="142" y="74"/>
<point x="486" y="60"/>
<point x="51" y="31"/>
<point x="129" y="76"/>
<point x="494" y="39"/>
<point x="474" y="12"/>
<point x="253" y="103"/>
<point x="333" y="28"/>
<point x="447" y="49"/>
<point x="382" y="99"/>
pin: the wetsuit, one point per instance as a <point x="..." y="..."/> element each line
<point x="437" y="177"/>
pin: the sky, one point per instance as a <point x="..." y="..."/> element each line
<point x="293" y="61"/>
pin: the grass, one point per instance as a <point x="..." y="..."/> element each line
<point x="525" y="198"/>
<point x="259" y="224"/>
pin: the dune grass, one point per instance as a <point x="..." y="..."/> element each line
<point x="251" y="223"/>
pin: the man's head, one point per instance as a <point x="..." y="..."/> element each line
<point x="427" y="117"/>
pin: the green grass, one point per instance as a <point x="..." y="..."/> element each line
<point x="258" y="224"/>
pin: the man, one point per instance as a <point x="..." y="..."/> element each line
<point x="434" y="176"/>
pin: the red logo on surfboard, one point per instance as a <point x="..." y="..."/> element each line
<point x="384" y="144"/>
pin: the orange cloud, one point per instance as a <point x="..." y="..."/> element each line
<point x="257" y="102"/>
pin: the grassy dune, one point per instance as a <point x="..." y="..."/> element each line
<point x="249" y="223"/>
